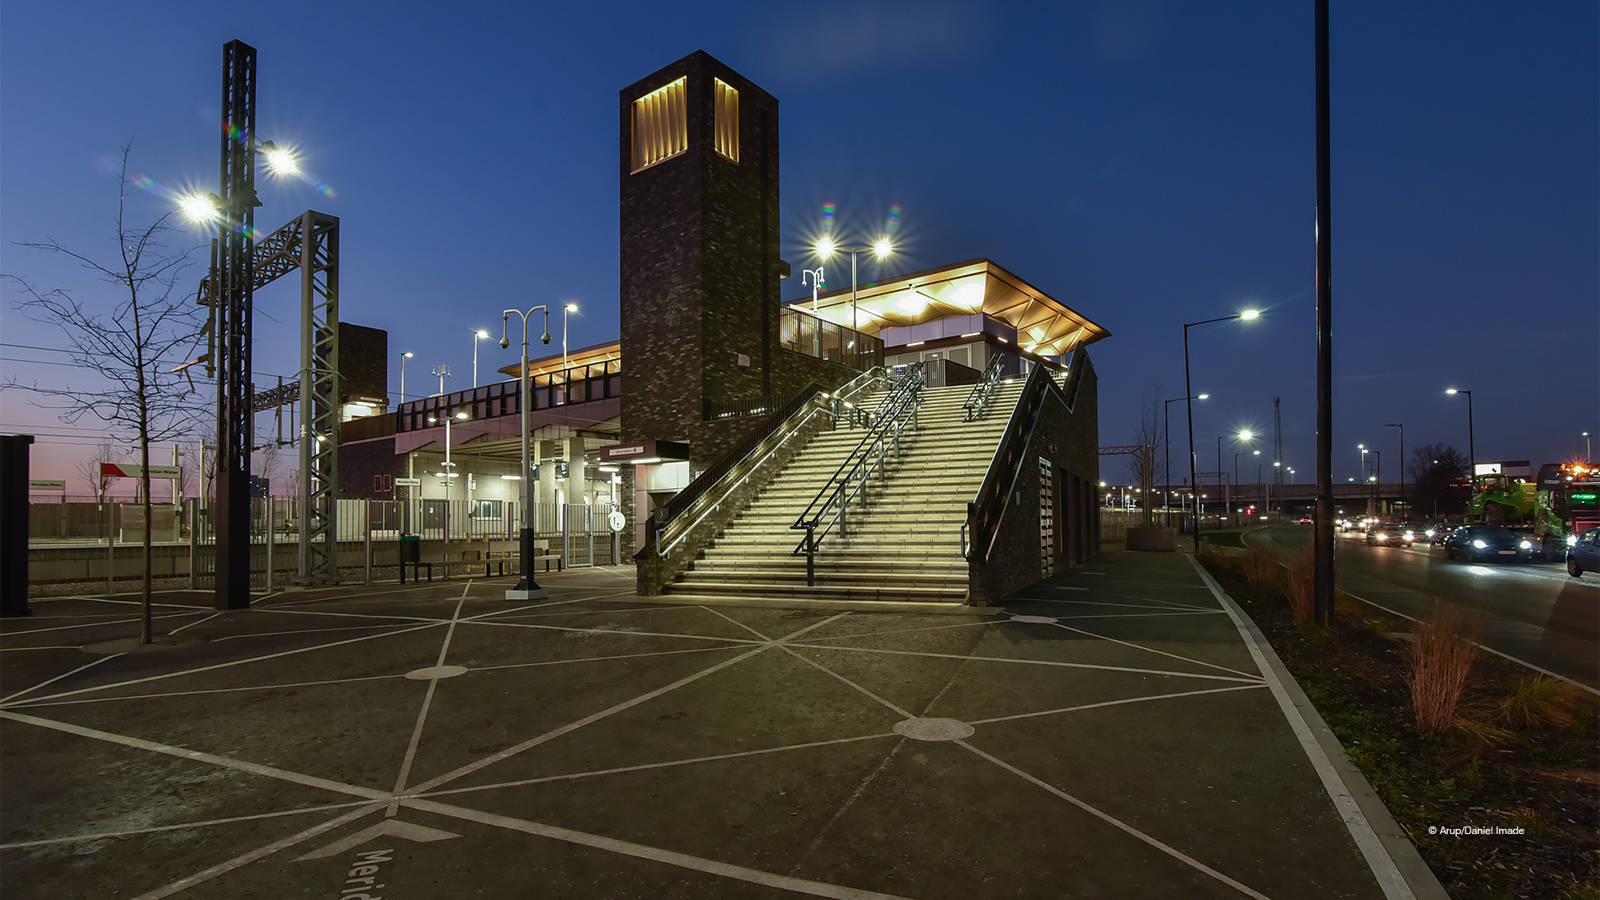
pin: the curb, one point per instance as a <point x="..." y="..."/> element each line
<point x="1399" y="869"/>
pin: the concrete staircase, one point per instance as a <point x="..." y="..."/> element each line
<point x="906" y="543"/>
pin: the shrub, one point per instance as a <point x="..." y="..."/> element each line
<point x="1261" y="570"/>
<point x="1539" y="700"/>
<point x="1441" y="658"/>
<point x="1302" y="584"/>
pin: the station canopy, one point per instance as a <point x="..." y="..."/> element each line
<point x="1045" y="326"/>
<point x="582" y="356"/>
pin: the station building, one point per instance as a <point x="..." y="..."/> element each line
<point x="710" y="358"/>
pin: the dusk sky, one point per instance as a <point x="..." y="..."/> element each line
<point x="1146" y="163"/>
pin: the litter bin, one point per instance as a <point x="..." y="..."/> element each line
<point x="410" y="553"/>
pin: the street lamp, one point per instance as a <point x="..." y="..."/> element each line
<point x="1227" y="495"/>
<point x="1166" y="450"/>
<point x="1402" y="457"/>
<point x="1245" y="316"/>
<point x="479" y="335"/>
<point x="816" y="275"/>
<point x="449" y="467"/>
<point x="1588" y="454"/>
<point x="881" y="248"/>
<point x="527" y="588"/>
<point x="569" y="308"/>
<point x="1472" y="450"/>
<point x="403" y="357"/>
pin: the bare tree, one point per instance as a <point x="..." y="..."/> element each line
<point x="1144" y="465"/>
<point x="130" y="338"/>
<point x="89" y="469"/>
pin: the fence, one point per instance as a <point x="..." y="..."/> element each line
<point x="93" y="542"/>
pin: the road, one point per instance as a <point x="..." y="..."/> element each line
<point x="1534" y="612"/>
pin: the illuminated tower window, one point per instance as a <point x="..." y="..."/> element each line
<point x="727" y="106"/>
<point x="660" y="124"/>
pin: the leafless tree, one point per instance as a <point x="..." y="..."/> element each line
<point x="1144" y="465"/>
<point x="89" y="470"/>
<point x="131" y="337"/>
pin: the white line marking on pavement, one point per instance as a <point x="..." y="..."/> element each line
<point x="257" y="634"/>
<point x="1153" y="650"/>
<point x="28" y="690"/>
<point x="530" y="607"/>
<point x="812" y="627"/>
<point x="28" y="631"/>
<point x="1067" y="709"/>
<point x="845" y="637"/>
<point x="1383" y="867"/>
<point x="53" y="647"/>
<point x="1029" y="662"/>
<point x="827" y="671"/>
<point x="671" y="634"/>
<point x="720" y="615"/>
<point x="573" y="776"/>
<point x="199" y="756"/>
<point x="465" y="589"/>
<point x="1196" y="612"/>
<point x="421" y="834"/>
<point x="1109" y="603"/>
<point x="584" y="659"/>
<point x="655" y="854"/>
<point x="422" y="715"/>
<point x="1502" y="655"/>
<point x="245" y="859"/>
<point x="1119" y="824"/>
<point x="554" y="733"/>
<point x="589" y="612"/>
<point x="194" y="623"/>
<point x="224" y="665"/>
<point x="35" y="704"/>
<point x="182" y="826"/>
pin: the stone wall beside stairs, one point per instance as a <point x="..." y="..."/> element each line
<point x="656" y="571"/>
<point x="1069" y="440"/>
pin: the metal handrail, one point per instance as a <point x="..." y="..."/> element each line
<point x="866" y="459"/>
<point x="978" y="398"/>
<point x="1011" y="452"/>
<point x="736" y="474"/>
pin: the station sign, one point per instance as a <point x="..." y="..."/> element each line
<point x="644" y="452"/>
<point x="408" y="482"/>
<point x="45" y="484"/>
<point x="134" y="470"/>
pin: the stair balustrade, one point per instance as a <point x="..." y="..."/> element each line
<point x="884" y="426"/>
<point x="984" y="389"/>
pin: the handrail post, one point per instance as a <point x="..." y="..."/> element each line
<point x="811" y="559"/>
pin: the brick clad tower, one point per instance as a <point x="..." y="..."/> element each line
<point x="699" y="251"/>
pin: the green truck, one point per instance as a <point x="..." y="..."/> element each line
<point x="1562" y="502"/>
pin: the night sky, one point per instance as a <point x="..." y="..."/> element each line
<point x="1145" y="163"/>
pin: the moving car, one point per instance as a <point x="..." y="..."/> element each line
<point x="1415" y="533"/>
<point x="1389" y="534"/>
<point x="1472" y="542"/>
<point x="1583" y="553"/>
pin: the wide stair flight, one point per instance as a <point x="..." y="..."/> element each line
<point x="903" y="543"/>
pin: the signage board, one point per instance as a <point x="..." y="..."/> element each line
<point x="408" y="482"/>
<point x="134" y="470"/>
<point x="45" y="484"/>
<point x="617" y="521"/>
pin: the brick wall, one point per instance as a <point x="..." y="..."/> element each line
<point x="1070" y="440"/>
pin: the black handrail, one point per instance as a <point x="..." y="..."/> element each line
<point x="906" y="396"/>
<point x="686" y="497"/>
<point x="978" y="398"/>
<point x="875" y="423"/>
<point x="986" y="506"/>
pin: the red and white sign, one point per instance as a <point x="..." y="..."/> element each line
<point x="134" y="470"/>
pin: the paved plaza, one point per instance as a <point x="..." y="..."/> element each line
<point x="1107" y="734"/>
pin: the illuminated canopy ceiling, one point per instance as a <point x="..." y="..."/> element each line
<point x="582" y="356"/>
<point x="1044" y="325"/>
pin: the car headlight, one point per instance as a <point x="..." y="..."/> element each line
<point x="1572" y="540"/>
<point x="1429" y="532"/>
<point x="1410" y="535"/>
<point x="1526" y="545"/>
<point x="1479" y="544"/>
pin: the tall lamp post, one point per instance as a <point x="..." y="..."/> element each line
<point x="403" y="357"/>
<point x="1166" y="449"/>
<point x="1227" y="495"/>
<point x="568" y="308"/>
<point x="881" y="248"/>
<point x="1588" y="454"/>
<point x="527" y="588"/>
<point x="479" y="335"/>
<point x="1472" y="450"/>
<point x="1402" y="459"/>
<point x="1245" y="316"/>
